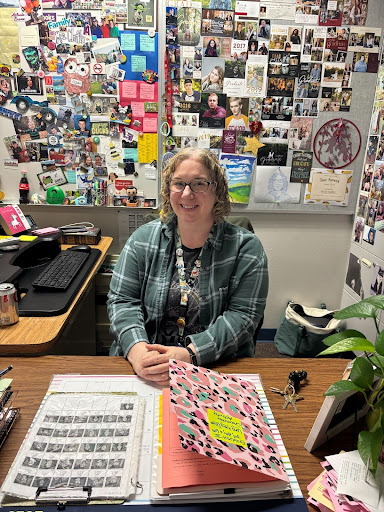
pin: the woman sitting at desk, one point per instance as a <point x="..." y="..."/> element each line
<point x="156" y="313"/>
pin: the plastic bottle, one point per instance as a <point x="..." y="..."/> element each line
<point x="24" y="188"/>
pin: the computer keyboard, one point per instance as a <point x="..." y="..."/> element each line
<point x="59" y="274"/>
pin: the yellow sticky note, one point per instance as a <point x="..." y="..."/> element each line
<point x="27" y="238"/>
<point x="226" y="428"/>
<point x="147" y="148"/>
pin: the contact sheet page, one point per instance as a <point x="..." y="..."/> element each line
<point x="81" y="439"/>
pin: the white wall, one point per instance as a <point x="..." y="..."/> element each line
<point x="307" y="255"/>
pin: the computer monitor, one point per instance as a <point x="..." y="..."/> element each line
<point x="13" y="221"/>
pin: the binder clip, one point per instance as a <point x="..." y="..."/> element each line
<point x="63" y="496"/>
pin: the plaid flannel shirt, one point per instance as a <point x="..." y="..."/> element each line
<point x="233" y="290"/>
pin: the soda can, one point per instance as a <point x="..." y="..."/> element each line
<point x="9" y="309"/>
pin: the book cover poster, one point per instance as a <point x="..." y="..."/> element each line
<point x="223" y="427"/>
<point x="239" y="174"/>
<point x="301" y="166"/>
<point x="272" y="154"/>
<point x="272" y="185"/>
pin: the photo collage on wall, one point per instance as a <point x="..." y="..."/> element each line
<point x="248" y="79"/>
<point x="369" y="222"/>
<point x="79" y="85"/>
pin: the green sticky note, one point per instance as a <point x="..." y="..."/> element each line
<point x="138" y="63"/>
<point x="71" y="176"/>
<point x="147" y="44"/>
<point x="128" y="42"/>
<point x="4" y="384"/>
<point x="131" y="153"/>
<point x="226" y="428"/>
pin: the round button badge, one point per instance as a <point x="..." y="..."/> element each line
<point x="53" y="140"/>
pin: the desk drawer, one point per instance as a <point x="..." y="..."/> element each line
<point x="103" y="277"/>
<point x="103" y="339"/>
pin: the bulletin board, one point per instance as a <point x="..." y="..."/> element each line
<point x="131" y="58"/>
<point x="322" y="71"/>
<point x="67" y="118"/>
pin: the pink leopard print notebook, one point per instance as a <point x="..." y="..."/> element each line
<point x="221" y="416"/>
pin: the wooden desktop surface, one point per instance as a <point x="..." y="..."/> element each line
<point x="36" y="335"/>
<point x="32" y="377"/>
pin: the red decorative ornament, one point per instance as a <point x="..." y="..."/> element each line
<point x="255" y="126"/>
<point x="337" y="143"/>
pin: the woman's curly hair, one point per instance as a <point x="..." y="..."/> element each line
<point x="222" y="206"/>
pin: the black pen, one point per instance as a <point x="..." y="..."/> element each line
<point x="3" y="372"/>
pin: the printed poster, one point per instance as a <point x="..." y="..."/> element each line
<point x="301" y="166"/>
<point x="239" y="174"/>
<point x="141" y="15"/>
<point x="272" y="155"/>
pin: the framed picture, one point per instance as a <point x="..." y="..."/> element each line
<point x="336" y="414"/>
<point x="51" y="177"/>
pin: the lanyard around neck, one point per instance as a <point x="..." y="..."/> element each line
<point x="185" y="285"/>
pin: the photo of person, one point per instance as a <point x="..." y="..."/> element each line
<point x="234" y="69"/>
<point x="190" y="90"/>
<point x="99" y="166"/>
<point x="212" y="80"/>
<point x="15" y="149"/>
<point x="187" y="68"/>
<point x="212" y="110"/>
<point x="239" y="31"/>
<point x="211" y="47"/>
<point x="377" y="283"/>
<point x="369" y="235"/>
<point x="82" y="125"/>
<point x="171" y="36"/>
<point x="236" y="119"/>
<point x="170" y="16"/>
<point x="358" y="231"/>
<point x="189" y="25"/>
<point x="360" y="62"/>
<point x="264" y="29"/>
<point x="5" y="90"/>
<point x="28" y="84"/>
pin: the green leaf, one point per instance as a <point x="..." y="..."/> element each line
<point x="377" y="360"/>
<point x="376" y="300"/>
<point x="378" y="373"/>
<point x="341" y="386"/>
<point x="339" y="336"/>
<point x="349" y="344"/>
<point x="359" y="310"/>
<point x="369" y="446"/>
<point x="362" y="373"/>
<point x="379" y="345"/>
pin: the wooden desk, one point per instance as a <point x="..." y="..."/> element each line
<point x="32" y="377"/>
<point x="37" y="335"/>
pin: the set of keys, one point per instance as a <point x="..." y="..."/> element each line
<point x="290" y="391"/>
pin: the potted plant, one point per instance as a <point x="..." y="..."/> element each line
<point x="367" y="374"/>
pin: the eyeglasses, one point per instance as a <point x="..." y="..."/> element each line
<point x="197" y="186"/>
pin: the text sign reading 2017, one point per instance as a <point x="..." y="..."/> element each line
<point x="226" y="428"/>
